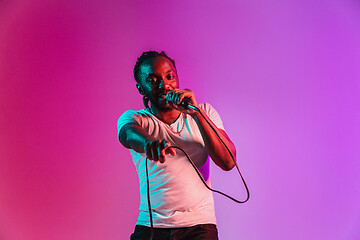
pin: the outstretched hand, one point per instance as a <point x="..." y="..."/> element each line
<point x="157" y="149"/>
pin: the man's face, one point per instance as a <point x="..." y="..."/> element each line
<point x="158" y="77"/>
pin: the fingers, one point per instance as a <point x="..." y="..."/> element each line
<point x="148" y="150"/>
<point x="161" y="151"/>
<point x="176" y="96"/>
<point x="189" y="94"/>
<point x="169" y="149"/>
<point x="154" y="150"/>
<point x="157" y="149"/>
<point x="186" y="94"/>
<point x="173" y="97"/>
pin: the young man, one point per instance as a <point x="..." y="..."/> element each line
<point x="182" y="207"/>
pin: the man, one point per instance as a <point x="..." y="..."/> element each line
<point x="182" y="207"/>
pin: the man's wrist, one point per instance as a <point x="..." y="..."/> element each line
<point x="196" y="114"/>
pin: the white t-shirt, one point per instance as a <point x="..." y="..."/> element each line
<point x="178" y="196"/>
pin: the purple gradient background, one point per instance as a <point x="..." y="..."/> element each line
<point x="284" y="75"/>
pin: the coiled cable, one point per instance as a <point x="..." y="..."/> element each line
<point x="198" y="173"/>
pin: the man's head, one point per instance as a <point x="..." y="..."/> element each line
<point x="155" y="74"/>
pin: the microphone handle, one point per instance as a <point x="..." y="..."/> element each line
<point x="186" y="103"/>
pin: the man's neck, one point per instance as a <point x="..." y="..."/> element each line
<point x="167" y="117"/>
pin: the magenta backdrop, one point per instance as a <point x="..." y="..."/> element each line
<point x="284" y="75"/>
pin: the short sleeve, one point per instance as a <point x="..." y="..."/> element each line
<point x="212" y="114"/>
<point x="129" y="116"/>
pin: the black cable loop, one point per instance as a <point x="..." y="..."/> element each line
<point x="232" y="156"/>
<point x="214" y="190"/>
<point x="198" y="173"/>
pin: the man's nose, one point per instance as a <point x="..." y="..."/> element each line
<point x="165" y="84"/>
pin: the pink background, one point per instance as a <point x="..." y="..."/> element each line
<point x="284" y="75"/>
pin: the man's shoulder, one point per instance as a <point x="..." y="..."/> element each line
<point x="211" y="112"/>
<point x="131" y="116"/>
<point x="207" y="107"/>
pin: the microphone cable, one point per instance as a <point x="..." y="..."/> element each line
<point x="148" y="198"/>
<point x="197" y="171"/>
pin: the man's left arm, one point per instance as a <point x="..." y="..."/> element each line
<point x="215" y="148"/>
<point x="213" y="144"/>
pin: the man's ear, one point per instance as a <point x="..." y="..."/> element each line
<point x="140" y="89"/>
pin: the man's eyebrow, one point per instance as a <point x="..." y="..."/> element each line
<point x="154" y="74"/>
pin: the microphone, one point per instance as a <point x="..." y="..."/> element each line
<point x="187" y="104"/>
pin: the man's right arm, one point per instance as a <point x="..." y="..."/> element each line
<point x="133" y="136"/>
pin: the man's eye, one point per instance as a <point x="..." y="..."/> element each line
<point x="170" y="77"/>
<point x="151" y="80"/>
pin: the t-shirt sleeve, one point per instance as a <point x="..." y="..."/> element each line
<point x="212" y="114"/>
<point x="129" y="116"/>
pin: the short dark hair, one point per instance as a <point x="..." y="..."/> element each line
<point x="148" y="55"/>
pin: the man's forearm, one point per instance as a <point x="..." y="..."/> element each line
<point x="134" y="137"/>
